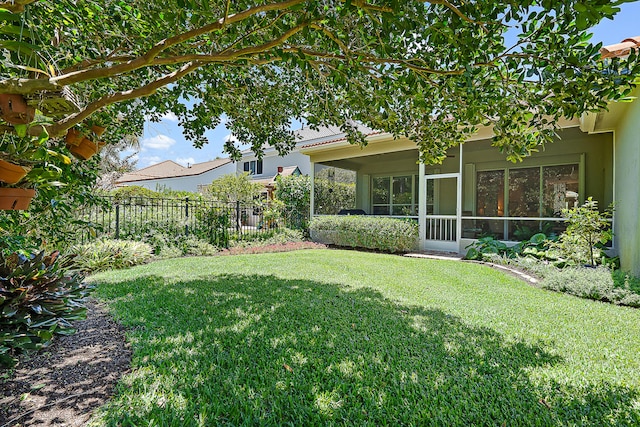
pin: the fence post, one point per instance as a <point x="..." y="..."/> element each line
<point x="238" y="219"/>
<point x="186" y="216"/>
<point x="117" y="220"/>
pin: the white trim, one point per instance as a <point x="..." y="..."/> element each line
<point x="422" y="205"/>
<point x="435" y="244"/>
<point x="312" y="199"/>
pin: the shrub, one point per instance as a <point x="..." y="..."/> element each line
<point x="295" y="193"/>
<point x="592" y="283"/>
<point x="379" y="233"/>
<point x="278" y="236"/>
<point x="587" y="231"/>
<point x="101" y="255"/>
<point x="37" y="300"/>
<point x="191" y="245"/>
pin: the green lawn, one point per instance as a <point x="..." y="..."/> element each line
<point x="341" y="337"/>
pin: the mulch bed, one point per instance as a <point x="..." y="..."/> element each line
<point x="62" y="384"/>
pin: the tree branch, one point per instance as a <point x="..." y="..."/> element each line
<point x="15" y="6"/>
<point x="151" y="54"/>
<point x="61" y="127"/>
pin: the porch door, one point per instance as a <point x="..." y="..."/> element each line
<point x="444" y="201"/>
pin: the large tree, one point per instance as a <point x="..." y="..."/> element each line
<point x="431" y="70"/>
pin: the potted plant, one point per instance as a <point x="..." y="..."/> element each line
<point x="80" y="144"/>
<point x="14" y="198"/>
<point x="11" y="173"/>
<point x="86" y="148"/>
<point x="15" y="110"/>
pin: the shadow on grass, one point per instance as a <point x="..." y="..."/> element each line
<point x="246" y="350"/>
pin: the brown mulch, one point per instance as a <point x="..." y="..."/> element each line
<point x="62" y="384"/>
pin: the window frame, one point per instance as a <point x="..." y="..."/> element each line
<point x="413" y="206"/>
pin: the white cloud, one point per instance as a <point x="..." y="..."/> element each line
<point x="151" y="160"/>
<point x="158" y="142"/>
<point x="169" y="116"/>
<point x="231" y="137"/>
<point x="185" y="161"/>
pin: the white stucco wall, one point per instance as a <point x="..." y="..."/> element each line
<point x="627" y="189"/>
<point x="186" y="183"/>
<point x="271" y="161"/>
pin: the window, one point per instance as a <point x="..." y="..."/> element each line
<point x="524" y="192"/>
<point x="541" y="191"/>
<point x="394" y="195"/>
<point x="560" y="189"/>
<point x="490" y="193"/>
<point x="254" y="167"/>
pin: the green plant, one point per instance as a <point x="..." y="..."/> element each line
<point x="488" y="247"/>
<point x="294" y="193"/>
<point x="592" y="283"/>
<point x="38" y="299"/>
<point x="106" y="254"/>
<point x="379" y="233"/>
<point x="213" y="225"/>
<point x="234" y="188"/>
<point x="334" y="190"/>
<point x="588" y="230"/>
<point x="485" y="245"/>
<point x="272" y="214"/>
<point x="191" y="245"/>
<point x="278" y="236"/>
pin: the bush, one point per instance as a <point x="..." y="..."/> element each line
<point x="37" y="300"/>
<point x="592" y="283"/>
<point x="295" y="193"/>
<point x="587" y="232"/>
<point x="379" y="233"/>
<point x="278" y="236"/>
<point x="102" y="255"/>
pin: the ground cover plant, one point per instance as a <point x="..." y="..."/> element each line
<point x="39" y="298"/>
<point x="343" y="337"/>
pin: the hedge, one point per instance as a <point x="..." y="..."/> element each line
<point x="380" y="233"/>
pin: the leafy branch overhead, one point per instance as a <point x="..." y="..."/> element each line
<point x="429" y="70"/>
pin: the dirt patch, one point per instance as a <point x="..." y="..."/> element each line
<point x="62" y="384"/>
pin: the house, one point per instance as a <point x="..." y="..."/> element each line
<point x="171" y="175"/>
<point x="476" y="192"/>
<point x="269" y="184"/>
<point x="267" y="166"/>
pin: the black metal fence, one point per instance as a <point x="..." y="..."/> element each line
<point x="139" y="218"/>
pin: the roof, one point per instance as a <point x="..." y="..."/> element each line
<point x="343" y="137"/>
<point x="171" y="169"/>
<point x="289" y="170"/>
<point x="620" y="49"/>
<point x="286" y="171"/>
<point x="307" y="136"/>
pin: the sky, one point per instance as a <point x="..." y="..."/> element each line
<point x="164" y="140"/>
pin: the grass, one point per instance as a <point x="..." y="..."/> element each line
<point x="323" y="337"/>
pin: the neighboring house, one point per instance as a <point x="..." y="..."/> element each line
<point x="270" y="183"/>
<point x="475" y="191"/>
<point x="265" y="169"/>
<point x="171" y="175"/>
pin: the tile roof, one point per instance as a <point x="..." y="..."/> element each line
<point x="340" y="139"/>
<point x="171" y="169"/>
<point x="307" y="136"/>
<point x="620" y="49"/>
